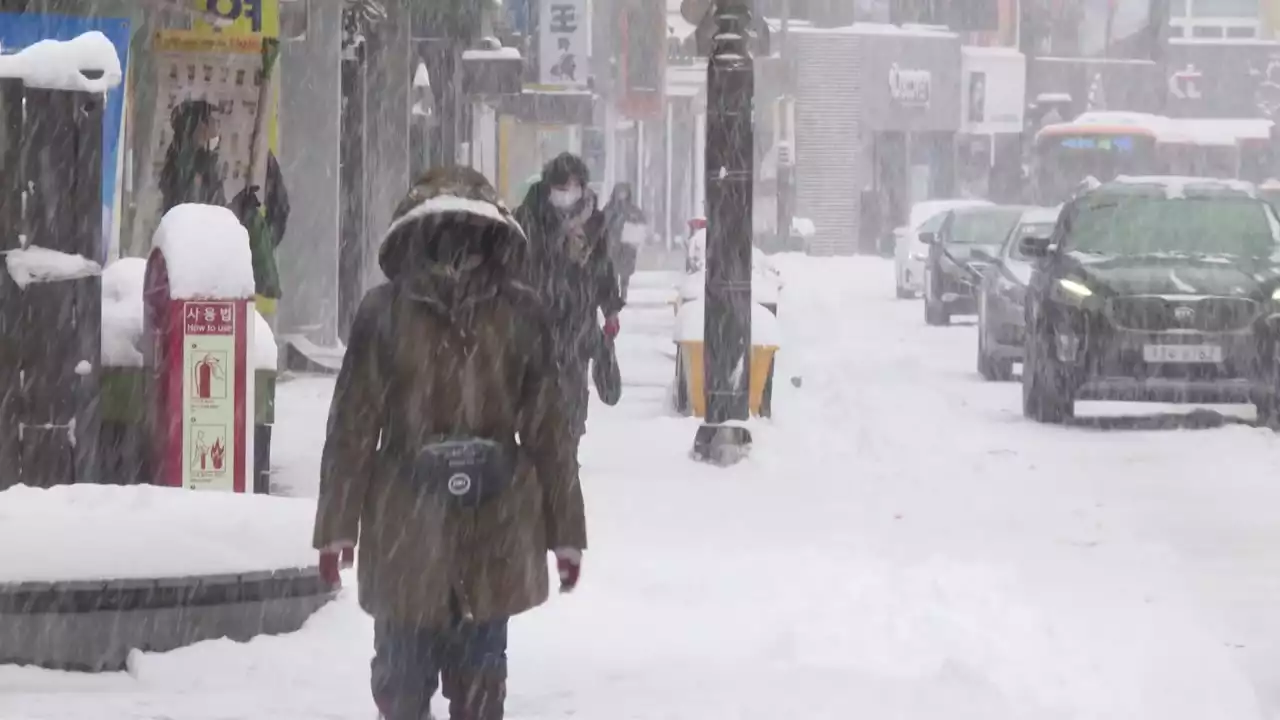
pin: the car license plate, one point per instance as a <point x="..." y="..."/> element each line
<point x="1182" y="353"/>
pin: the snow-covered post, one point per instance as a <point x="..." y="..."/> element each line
<point x="50" y="298"/>
<point x="198" y="335"/>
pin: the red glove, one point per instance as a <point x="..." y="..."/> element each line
<point x="612" y="326"/>
<point x="333" y="561"/>
<point x="569" y="563"/>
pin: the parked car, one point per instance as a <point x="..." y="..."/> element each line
<point x="1155" y="289"/>
<point x="909" y="254"/>
<point x="1002" y="296"/>
<point x="966" y="243"/>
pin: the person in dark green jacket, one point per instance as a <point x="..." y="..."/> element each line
<point x="266" y="217"/>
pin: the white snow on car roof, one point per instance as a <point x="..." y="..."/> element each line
<point x="1041" y="215"/>
<point x="921" y="212"/>
<point x="1176" y="186"/>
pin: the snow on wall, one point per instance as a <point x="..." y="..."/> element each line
<point x="122" y="312"/>
<point x="37" y="264"/>
<point x="690" y="324"/>
<point x="206" y="250"/>
<point x="61" y="65"/>
<point x="505" y="53"/>
<point x="266" y="355"/>
<point x="171" y="533"/>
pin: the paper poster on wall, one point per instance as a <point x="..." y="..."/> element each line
<point x="208" y="391"/>
<point x="222" y="70"/>
<point x="17" y="31"/>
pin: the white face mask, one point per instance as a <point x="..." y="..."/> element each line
<point x="212" y="143"/>
<point x="566" y="198"/>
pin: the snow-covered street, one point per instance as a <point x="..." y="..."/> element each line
<point x="901" y="544"/>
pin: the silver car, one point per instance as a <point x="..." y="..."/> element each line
<point x="1002" y="296"/>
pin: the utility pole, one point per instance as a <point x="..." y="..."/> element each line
<point x="730" y="173"/>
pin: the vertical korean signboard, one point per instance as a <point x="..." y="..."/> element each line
<point x="564" y="32"/>
<point x="209" y="385"/>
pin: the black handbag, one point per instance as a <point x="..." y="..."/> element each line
<point x="605" y="372"/>
<point x="467" y="472"/>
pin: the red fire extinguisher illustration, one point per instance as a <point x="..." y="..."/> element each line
<point x="205" y="372"/>
<point x="216" y="454"/>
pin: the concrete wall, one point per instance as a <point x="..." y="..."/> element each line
<point x="309" y="129"/>
<point x="387" y="126"/>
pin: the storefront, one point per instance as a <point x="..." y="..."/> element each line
<point x="989" y="147"/>
<point x="1225" y="79"/>
<point x="877" y="111"/>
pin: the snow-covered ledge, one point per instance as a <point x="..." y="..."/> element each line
<point x="88" y="63"/>
<point x="35" y="264"/>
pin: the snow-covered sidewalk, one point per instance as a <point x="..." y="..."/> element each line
<point x="902" y="544"/>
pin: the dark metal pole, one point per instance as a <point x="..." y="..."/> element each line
<point x="729" y="168"/>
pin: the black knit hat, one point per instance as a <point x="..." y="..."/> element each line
<point x="565" y="167"/>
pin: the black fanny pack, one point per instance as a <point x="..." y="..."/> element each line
<point x="468" y="472"/>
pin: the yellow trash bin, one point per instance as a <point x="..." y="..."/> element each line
<point x="691" y="365"/>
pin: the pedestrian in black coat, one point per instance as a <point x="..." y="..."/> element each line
<point x="569" y="266"/>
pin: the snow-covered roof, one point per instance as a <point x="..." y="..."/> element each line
<point x="991" y="51"/>
<point x="927" y="31"/>
<point x="505" y="53"/>
<point x="63" y="64"/>
<point x="1176" y="186"/>
<point x="206" y="251"/>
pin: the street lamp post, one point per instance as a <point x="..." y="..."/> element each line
<point x="730" y="172"/>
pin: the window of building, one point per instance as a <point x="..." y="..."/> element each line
<point x="1215" y="18"/>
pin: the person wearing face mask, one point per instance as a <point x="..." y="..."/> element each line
<point x="569" y="267"/>
<point x="192" y="171"/>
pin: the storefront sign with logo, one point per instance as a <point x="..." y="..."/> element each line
<point x="563" y="35"/>
<point x="910" y="87"/>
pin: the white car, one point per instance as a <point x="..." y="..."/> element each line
<point x="909" y="254"/>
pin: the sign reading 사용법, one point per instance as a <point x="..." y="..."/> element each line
<point x="208" y="395"/>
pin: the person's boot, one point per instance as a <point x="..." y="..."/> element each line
<point x="479" y="695"/>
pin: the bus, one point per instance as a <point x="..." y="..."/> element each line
<point x="1101" y="145"/>
<point x="1104" y="145"/>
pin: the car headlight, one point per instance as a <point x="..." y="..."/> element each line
<point x="1074" y="287"/>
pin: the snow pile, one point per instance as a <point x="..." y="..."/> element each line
<point x="98" y="532"/>
<point x="505" y="53"/>
<point x="122" y="312"/>
<point x="691" y="322"/>
<point x="88" y="64"/>
<point x="206" y="251"/>
<point x="37" y="264"/>
<point x="266" y="355"/>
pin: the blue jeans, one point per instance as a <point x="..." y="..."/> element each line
<point x="409" y="663"/>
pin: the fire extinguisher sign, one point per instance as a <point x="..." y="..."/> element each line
<point x="209" y="403"/>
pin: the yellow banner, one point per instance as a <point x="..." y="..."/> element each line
<point x="245" y="17"/>
<point x="200" y="42"/>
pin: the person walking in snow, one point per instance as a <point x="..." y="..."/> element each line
<point x="626" y="228"/>
<point x="449" y="457"/>
<point x="569" y="267"/>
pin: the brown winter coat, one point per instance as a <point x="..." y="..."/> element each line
<point x="430" y="354"/>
